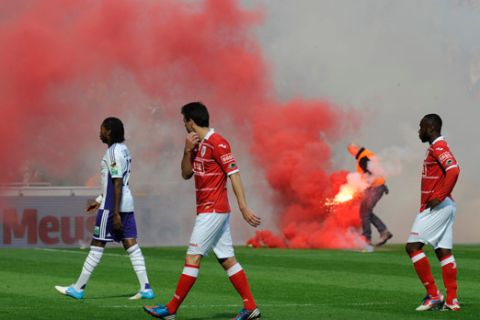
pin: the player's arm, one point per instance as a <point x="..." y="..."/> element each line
<point x="94" y="204"/>
<point x="449" y="164"/>
<point x="445" y="189"/>
<point x="247" y="213"/>
<point x="191" y="141"/>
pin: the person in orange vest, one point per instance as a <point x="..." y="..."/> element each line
<point x="371" y="195"/>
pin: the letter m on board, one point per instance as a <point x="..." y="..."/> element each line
<point x="15" y="226"/>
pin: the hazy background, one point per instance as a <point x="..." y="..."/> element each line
<point x="270" y="71"/>
<point x="395" y="61"/>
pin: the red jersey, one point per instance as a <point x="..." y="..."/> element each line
<point x="212" y="163"/>
<point x="438" y="162"/>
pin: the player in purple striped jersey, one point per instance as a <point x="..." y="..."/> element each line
<point x="115" y="217"/>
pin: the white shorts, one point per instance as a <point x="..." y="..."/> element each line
<point x="212" y="230"/>
<point x="434" y="227"/>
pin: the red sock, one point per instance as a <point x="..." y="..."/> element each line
<point x="422" y="267"/>
<point x="449" y="273"/>
<point x="185" y="283"/>
<point x="239" y="280"/>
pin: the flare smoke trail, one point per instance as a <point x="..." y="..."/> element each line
<point x="66" y="65"/>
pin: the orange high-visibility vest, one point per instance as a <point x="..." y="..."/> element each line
<point x="362" y="153"/>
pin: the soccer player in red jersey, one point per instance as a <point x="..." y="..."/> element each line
<point x="207" y="157"/>
<point x="433" y="225"/>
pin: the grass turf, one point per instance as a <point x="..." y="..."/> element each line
<point x="287" y="284"/>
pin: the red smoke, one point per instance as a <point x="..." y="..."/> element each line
<point x="67" y="64"/>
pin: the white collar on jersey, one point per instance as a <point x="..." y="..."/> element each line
<point x="438" y="139"/>
<point x="209" y="134"/>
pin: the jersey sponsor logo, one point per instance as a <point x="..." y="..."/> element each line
<point x="198" y="167"/>
<point x="444" y="156"/>
<point x="226" y="158"/>
<point x="114" y="169"/>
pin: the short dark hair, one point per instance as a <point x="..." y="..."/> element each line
<point x="115" y="126"/>
<point x="197" y="112"/>
<point x="435" y="121"/>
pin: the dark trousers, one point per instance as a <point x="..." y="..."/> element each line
<point x="370" y="198"/>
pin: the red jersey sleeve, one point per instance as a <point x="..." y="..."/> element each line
<point x="445" y="158"/>
<point x="441" y="152"/>
<point x="224" y="157"/>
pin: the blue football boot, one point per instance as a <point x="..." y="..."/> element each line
<point x="70" y="292"/>
<point x="159" y="311"/>
<point x="143" y="294"/>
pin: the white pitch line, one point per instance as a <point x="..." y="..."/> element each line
<point x="80" y="252"/>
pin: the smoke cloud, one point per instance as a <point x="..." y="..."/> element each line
<point x="66" y="65"/>
<point x="393" y="62"/>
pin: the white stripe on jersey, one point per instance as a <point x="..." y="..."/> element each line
<point x="206" y="189"/>
<point x="205" y="203"/>
<point x="208" y="174"/>
<point x="207" y="145"/>
<point x="430" y="177"/>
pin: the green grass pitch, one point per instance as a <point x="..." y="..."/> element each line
<point x="287" y="284"/>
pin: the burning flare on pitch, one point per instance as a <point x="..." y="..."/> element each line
<point x="345" y="194"/>
<point x="348" y="191"/>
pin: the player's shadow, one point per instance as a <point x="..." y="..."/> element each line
<point x="216" y="316"/>
<point x="110" y="297"/>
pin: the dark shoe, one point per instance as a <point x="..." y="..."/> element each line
<point x="384" y="237"/>
<point x="245" y="314"/>
<point x="455" y="306"/>
<point x="431" y="303"/>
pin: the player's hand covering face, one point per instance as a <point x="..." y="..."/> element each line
<point x="191" y="141"/>
<point x="188" y="125"/>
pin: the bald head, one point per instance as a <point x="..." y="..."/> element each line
<point x="430" y="127"/>
<point x="435" y="121"/>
